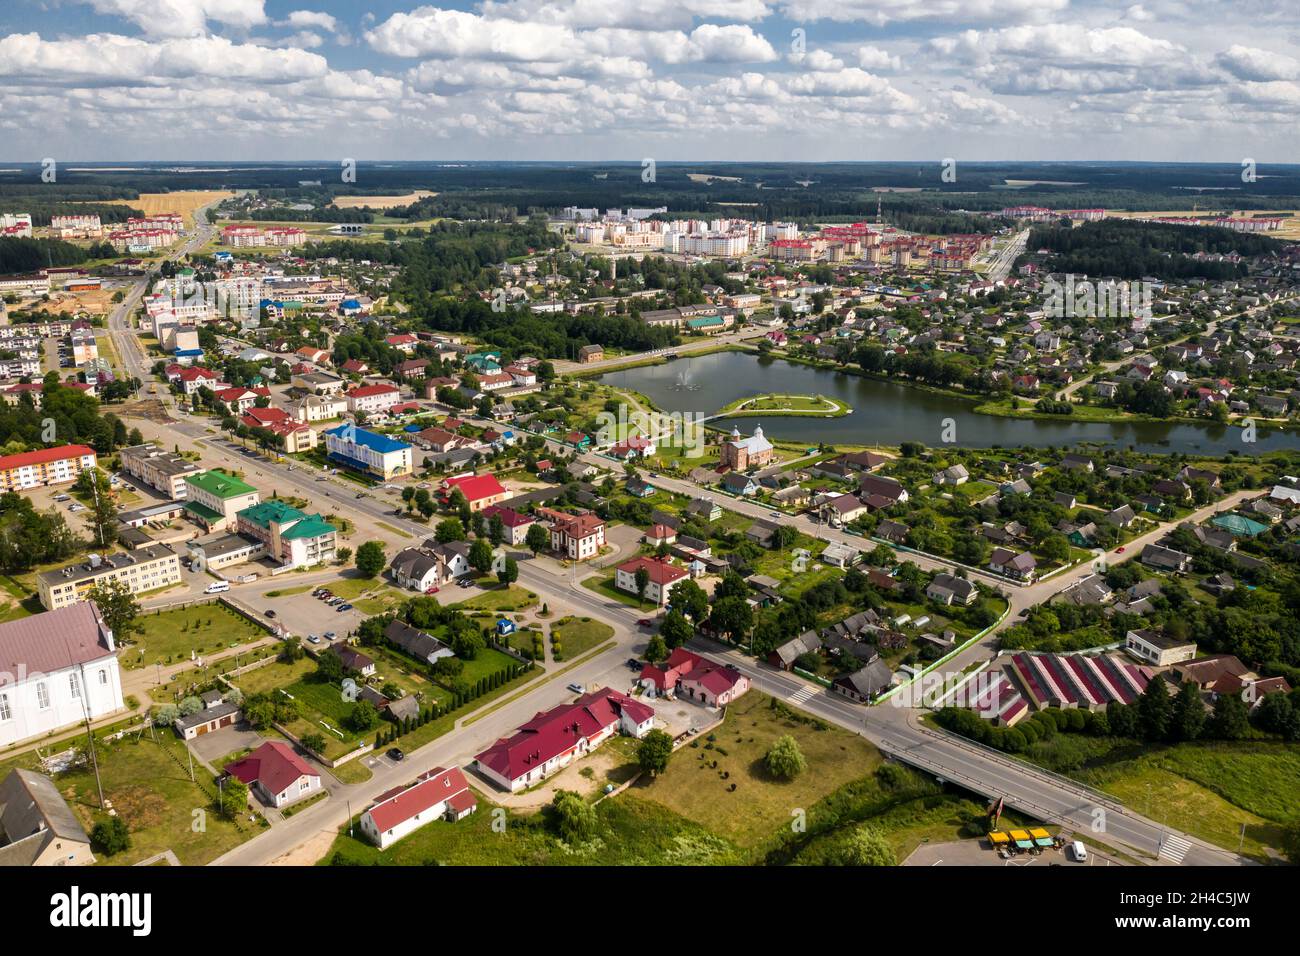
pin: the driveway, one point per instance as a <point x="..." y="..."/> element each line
<point x="214" y="746"/>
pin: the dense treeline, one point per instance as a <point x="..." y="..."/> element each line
<point x="67" y="416"/>
<point x="1130" y="250"/>
<point x="18" y="256"/>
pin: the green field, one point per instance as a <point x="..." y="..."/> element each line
<point x="577" y="635"/>
<point x="170" y="636"/>
<point x="513" y="598"/>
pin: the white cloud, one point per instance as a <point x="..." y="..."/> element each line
<point x="182" y="18"/>
<point x="1250" y="63"/>
<point x="874" y="58"/>
<point x="447" y="34"/>
<point x="631" y="14"/>
<point x="881" y="12"/>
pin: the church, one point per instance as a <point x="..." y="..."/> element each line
<point x="741" y="454"/>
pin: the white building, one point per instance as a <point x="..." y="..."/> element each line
<point x="60" y="668"/>
<point x="437" y="795"/>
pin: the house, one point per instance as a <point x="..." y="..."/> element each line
<point x="37" y="827"/>
<point x="576" y="536"/>
<point x="638" y="487"/>
<point x="864" y="684"/>
<point x="844" y="509"/>
<point x="353" y="661"/>
<point x="1159" y="649"/>
<point x="739" y="484"/>
<point x="659" y="534"/>
<point x="431" y="565"/>
<point x="784" y="657"/>
<point x="553" y="738"/>
<point x="481" y="491"/>
<point x="415" y="642"/>
<point x="1165" y="559"/>
<point x="1121" y="517"/>
<point x="588" y="354"/>
<point x="1022" y="566"/>
<point x="894" y="532"/>
<point x="953" y="476"/>
<point x="839" y="555"/>
<point x="276" y="774"/>
<point x="372" y="399"/>
<point x="437" y="795"/>
<point x="705" y="508"/>
<point x="879" y="486"/>
<point x="949" y="589"/>
<point x="61" y="670"/>
<point x="1073" y="462"/>
<point x="514" y="525"/>
<point x="662" y="577"/>
<point x="703" y="680"/>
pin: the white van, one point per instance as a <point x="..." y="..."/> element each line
<point x="216" y="587"/>
<point x="1079" y="852"/>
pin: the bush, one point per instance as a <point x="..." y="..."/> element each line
<point x="785" y="760"/>
<point x="110" y="836"/>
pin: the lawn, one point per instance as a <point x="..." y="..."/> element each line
<point x="268" y="677"/>
<point x="577" y="635"/>
<point x="148" y="784"/>
<point x="629" y="832"/>
<point x="170" y="636"/>
<point x="604" y="586"/>
<point x="1208" y="789"/>
<point x="700" y="791"/>
<point x="486" y="663"/>
<point x="513" y="598"/>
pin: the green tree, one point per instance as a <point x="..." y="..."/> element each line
<point x="316" y="743"/>
<point x="785" y="760"/>
<point x="370" y="558"/>
<point x="537" y="539"/>
<point x="232" y="797"/>
<point x="110" y="836"/>
<point x="575" y="818"/>
<point x="509" y="572"/>
<point x="480" y="555"/>
<point x="865" y="846"/>
<point x="675" y="630"/>
<point x="691" y="600"/>
<point x="653" y="752"/>
<point x="1155" y="711"/>
<point x="1230" y="719"/>
<point x="1189" y="713"/>
<point x="656" y="650"/>
<point x="642" y="578"/>
<point x="733" y="617"/>
<point x="362" y="717"/>
<point x="118" y="607"/>
<point x="448" y="530"/>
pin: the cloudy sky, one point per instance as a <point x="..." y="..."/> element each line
<point x="809" y="80"/>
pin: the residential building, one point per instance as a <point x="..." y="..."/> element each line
<point x="213" y="499"/>
<point x="295" y="539"/>
<point x="63" y="670"/>
<point x="144" y="569"/>
<point x="949" y="589"/>
<point x="317" y="408"/>
<point x="433" y="564"/>
<point x="514" y="525"/>
<point x="663" y="576"/>
<point x="554" y="738"/>
<point x="276" y="774"/>
<point x="1159" y="649"/>
<point x="158" y="468"/>
<point x="577" y="537"/>
<point x="373" y="399"/>
<point x="481" y="491"/>
<point x="702" y="679"/>
<point x="45" y="466"/>
<point x="437" y="795"/>
<point x="37" y="827"/>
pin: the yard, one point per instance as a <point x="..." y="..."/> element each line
<point x="700" y="777"/>
<point x="512" y="598"/>
<point x="169" y="636"/>
<point x="574" y="636"/>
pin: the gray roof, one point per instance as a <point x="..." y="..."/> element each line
<point x="805" y="642"/>
<point x="870" y="680"/>
<point x="49" y="642"/>
<point x="214" y="712"/>
<point x="31" y="806"/>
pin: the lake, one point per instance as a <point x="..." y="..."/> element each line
<point x="888" y="413"/>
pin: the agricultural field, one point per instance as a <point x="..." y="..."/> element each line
<point x="381" y="202"/>
<point x="183" y="202"/>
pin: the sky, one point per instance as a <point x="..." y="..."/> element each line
<point x="739" y="80"/>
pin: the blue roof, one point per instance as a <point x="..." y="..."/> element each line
<point x="189" y="353"/>
<point x="359" y="436"/>
<point x="349" y="304"/>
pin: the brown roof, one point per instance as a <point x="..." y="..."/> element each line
<point x="49" y="642"/>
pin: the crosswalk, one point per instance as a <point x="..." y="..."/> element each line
<point x="801" y="695"/>
<point x="1174" y="848"/>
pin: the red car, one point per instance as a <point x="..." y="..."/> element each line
<point x="432" y="590"/>
<point x="646" y="622"/>
<point x="1119" y="550"/>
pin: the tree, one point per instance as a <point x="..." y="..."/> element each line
<point x="656" y="650"/>
<point x="865" y="846"/>
<point x="675" y="630"/>
<point x="537" y="539"/>
<point x="190" y="706"/>
<point x="117" y="605"/>
<point x="232" y="797"/>
<point x="1154" y="711"/>
<point x="448" y="530"/>
<point x="733" y="617"/>
<point x="480" y="555"/>
<point x="509" y="572"/>
<point x="1188" y="714"/>
<point x="653" y="752"/>
<point x="110" y="836"/>
<point x="785" y="760"/>
<point x="575" y="818"/>
<point x="316" y="743"/>
<point x="467" y="643"/>
<point x="691" y="600"/>
<point x="101" y="516"/>
<point x="1230" y="720"/>
<point x="642" y="578"/>
<point x="362" y="716"/>
<point x="370" y="558"/>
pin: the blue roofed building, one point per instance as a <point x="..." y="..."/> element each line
<point x="368" y="452"/>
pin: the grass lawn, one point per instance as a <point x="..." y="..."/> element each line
<point x="1208" y="789"/>
<point x="513" y="598"/>
<point x="604" y="586"/>
<point x="170" y="636"/>
<point x="760" y="804"/>
<point x="629" y="832"/>
<point x="148" y="785"/>
<point x="487" y="662"/>
<point x="264" y="679"/>
<point x="577" y="635"/>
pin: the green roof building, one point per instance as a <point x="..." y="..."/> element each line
<point x="213" y="498"/>
<point x="292" y="537"/>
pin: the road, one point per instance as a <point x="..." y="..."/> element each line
<point x="748" y="334"/>
<point x="895" y="729"/>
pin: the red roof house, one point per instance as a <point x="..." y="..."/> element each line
<point x="277" y="774"/>
<point x="438" y="794"/>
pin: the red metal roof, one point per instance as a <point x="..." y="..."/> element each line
<point x="274" y="765"/>
<point x="398" y="806"/>
<point x="476" y="487"/>
<point x="44" y="456"/>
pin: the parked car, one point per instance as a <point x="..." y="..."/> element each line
<point x="577" y="688"/>
<point x="395" y="753"/>
<point x="432" y="590"/>
<point x="1079" y="852"/>
<point x="270" y="612"/>
<point x="646" y="622"/>
<point x="343" y="607"/>
<point x="216" y="587"/>
<point x="330" y="635"/>
<point x="465" y="584"/>
<point x="313" y="639"/>
<point x="633" y="664"/>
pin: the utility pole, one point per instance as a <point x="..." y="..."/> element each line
<point x="94" y="760"/>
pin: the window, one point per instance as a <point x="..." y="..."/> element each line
<point x="103" y="676"/>
<point x="74" y="684"/>
<point x="5" y="711"/>
<point x="42" y="696"/>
